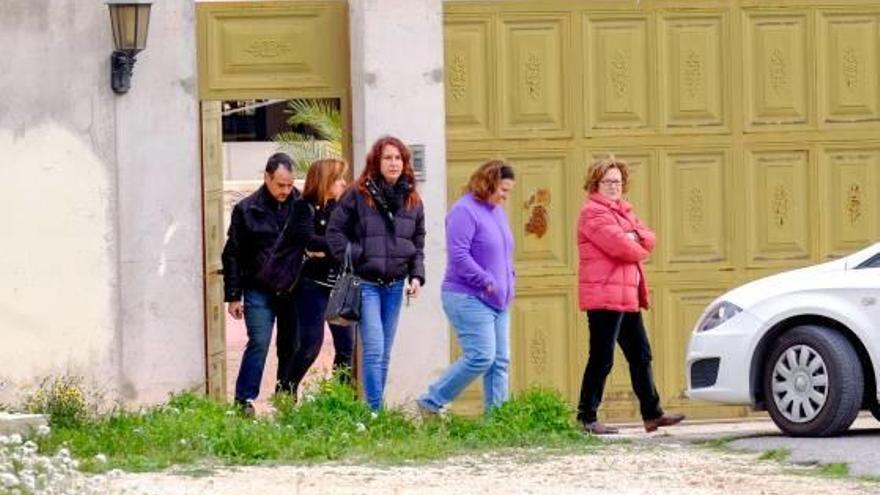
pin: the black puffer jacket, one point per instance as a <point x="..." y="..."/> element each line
<point x="256" y="223"/>
<point x="384" y="246"/>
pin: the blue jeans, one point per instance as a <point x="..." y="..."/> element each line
<point x="484" y="335"/>
<point x="380" y="308"/>
<point x="261" y="309"/>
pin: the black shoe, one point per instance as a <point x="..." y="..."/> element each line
<point x="246" y="408"/>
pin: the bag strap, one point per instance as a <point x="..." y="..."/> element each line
<point x="347" y="265"/>
<point x="280" y="239"/>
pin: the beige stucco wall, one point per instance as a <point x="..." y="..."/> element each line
<point x="58" y="271"/>
<point x="397" y="88"/>
<point x="100" y="259"/>
<point x="101" y="252"/>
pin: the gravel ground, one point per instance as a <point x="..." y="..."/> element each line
<point x="639" y="467"/>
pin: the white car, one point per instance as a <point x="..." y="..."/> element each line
<point x="803" y="345"/>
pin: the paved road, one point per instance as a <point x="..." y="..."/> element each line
<point x="859" y="448"/>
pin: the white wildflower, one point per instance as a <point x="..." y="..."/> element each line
<point x="374" y="415"/>
<point x="184" y="442"/>
<point x="360" y="427"/>
<point x="101" y="458"/>
<point x="29" y="448"/>
<point x="8" y="480"/>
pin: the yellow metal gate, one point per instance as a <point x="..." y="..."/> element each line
<point x="753" y="131"/>
<point x="258" y="50"/>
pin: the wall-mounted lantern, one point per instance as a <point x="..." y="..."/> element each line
<point x="130" y="20"/>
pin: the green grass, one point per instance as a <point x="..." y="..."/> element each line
<point x="329" y="425"/>
<point x="833" y="470"/>
<point x="718" y="444"/>
<point x="775" y="455"/>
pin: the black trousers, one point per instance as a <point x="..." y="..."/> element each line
<point x="311" y="299"/>
<point x="628" y="330"/>
<point x="285" y="340"/>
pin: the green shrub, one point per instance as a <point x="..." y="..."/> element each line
<point x="65" y="399"/>
<point x="328" y="423"/>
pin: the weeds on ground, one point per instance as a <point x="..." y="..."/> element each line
<point x="65" y="399"/>
<point x="328" y="424"/>
<point x="778" y="455"/>
<point x="834" y="470"/>
<point x="720" y="444"/>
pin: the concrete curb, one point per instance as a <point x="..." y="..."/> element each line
<point x="21" y="423"/>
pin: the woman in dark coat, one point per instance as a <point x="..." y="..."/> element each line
<point x="325" y="183"/>
<point x="382" y="220"/>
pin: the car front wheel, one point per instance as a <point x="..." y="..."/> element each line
<point x="813" y="382"/>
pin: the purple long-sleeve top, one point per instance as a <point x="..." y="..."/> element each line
<point x="479" y="250"/>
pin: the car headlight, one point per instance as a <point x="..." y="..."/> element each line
<point x="718" y="314"/>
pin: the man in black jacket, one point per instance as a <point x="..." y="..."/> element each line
<point x="257" y="222"/>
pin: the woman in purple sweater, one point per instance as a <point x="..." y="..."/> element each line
<point x="478" y="288"/>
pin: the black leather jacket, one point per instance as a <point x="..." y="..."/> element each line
<point x="256" y="223"/>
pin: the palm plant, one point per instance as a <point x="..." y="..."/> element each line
<point x="316" y="131"/>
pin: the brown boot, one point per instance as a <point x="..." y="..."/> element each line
<point x="665" y="420"/>
<point x="597" y="428"/>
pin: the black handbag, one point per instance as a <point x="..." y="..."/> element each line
<point x="344" y="305"/>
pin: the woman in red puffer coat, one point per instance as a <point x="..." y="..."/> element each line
<point x="612" y="244"/>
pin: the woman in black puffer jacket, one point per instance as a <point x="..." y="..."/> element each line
<point x="381" y="217"/>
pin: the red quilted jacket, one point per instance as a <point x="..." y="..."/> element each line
<point x="610" y="274"/>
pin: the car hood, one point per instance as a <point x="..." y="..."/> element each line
<point x="803" y="279"/>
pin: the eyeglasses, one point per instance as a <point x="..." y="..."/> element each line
<point x="611" y="182"/>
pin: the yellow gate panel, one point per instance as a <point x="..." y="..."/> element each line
<point x="543" y="323"/>
<point x="539" y="208"/>
<point x="534" y="90"/>
<point x="249" y="49"/>
<point x="849" y="64"/>
<point x="695" y="87"/>
<point x="696" y="224"/>
<point x="618" y="68"/>
<point x="850" y="181"/>
<point x="777" y="72"/>
<point x="778" y="225"/>
<point x="469" y="62"/>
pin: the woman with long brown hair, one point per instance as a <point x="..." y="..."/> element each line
<point x="324" y="184"/>
<point x="380" y="219"/>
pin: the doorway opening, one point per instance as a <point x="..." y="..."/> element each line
<point x="251" y="131"/>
